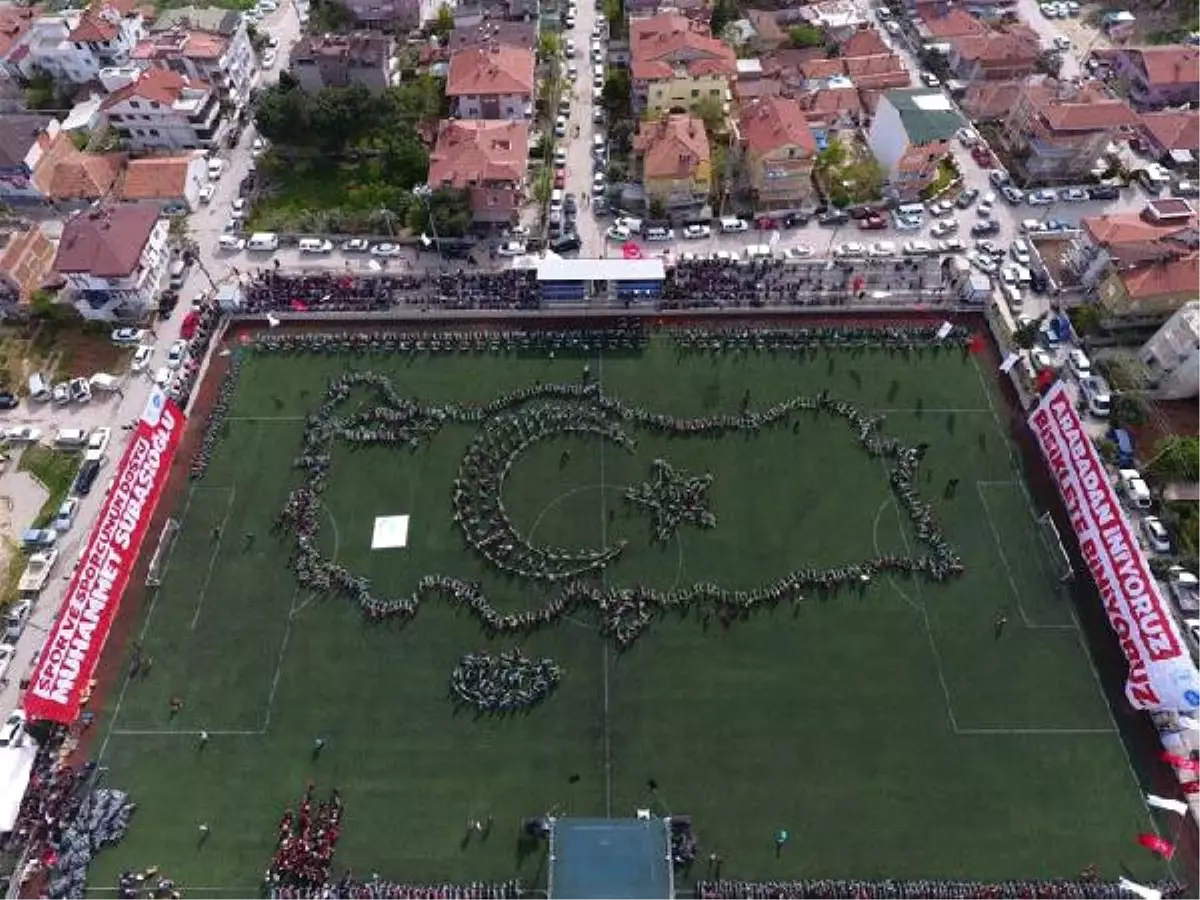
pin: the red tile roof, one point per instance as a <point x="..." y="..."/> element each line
<point x="1123" y="229"/>
<point x="491" y="71"/>
<point x="1082" y="108"/>
<point x="878" y="72"/>
<point x="15" y="21"/>
<point x="106" y="243"/>
<point x="953" y="23"/>
<point x="815" y="69"/>
<point x="1018" y="44"/>
<point x="1174" y="130"/>
<point x="1169" y="65"/>
<point x="159" y="85"/>
<point x="203" y="45"/>
<point x="479" y="151"/>
<point x="1163" y="279"/>
<point x="93" y="28"/>
<point x="772" y="124"/>
<point x="830" y="104"/>
<point x="673" y="146"/>
<point x="65" y="173"/>
<point x="863" y="42"/>
<point x="26" y="258"/>
<point x="156" y="178"/>
<point x="661" y="43"/>
<point x="986" y="100"/>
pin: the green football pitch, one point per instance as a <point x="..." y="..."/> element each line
<point x="888" y="729"/>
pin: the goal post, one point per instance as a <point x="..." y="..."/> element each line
<point x="158" y="562"/>
<point x="1060" y="561"/>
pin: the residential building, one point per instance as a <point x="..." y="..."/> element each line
<point x="66" y="177"/>
<point x="171" y="183"/>
<point x="1172" y="355"/>
<point x="473" y="12"/>
<point x="488" y="159"/>
<point x="26" y="261"/>
<point x="395" y="16"/>
<point x="226" y="61"/>
<point x="340" y="60"/>
<point x="488" y="32"/>
<point x="768" y="33"/>
<point x="675" y="62"/>
<point x="1171" y="135"/>
<point x="23" y="140"/>
<point x="836" y="105"/>
<point x="838" y="19"/>
<point x="875" y="74"/>
<point x="995" y="55"/>
<point x="1158" y="76"/>
<point x="938" y="24"/>
<point x="162" y="110"/>
<point x="990" y="101"/>
<point x="15" y="23"/>
<point x="74" y="45"/>
<point x="910" y="136"/>
<point x="1147" y="295"/>
<point x="675" y="161"/>
<point x="114" y="260"/>
<point x="779" y="151"/>
<point x="492" y="82"/>
<point x="1126" y="241"/>
<point x="1057" y="130"/>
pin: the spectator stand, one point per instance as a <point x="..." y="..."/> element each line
<point x="615" y="281"/>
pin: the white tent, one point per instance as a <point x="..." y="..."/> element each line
<point x="16" y="765"/>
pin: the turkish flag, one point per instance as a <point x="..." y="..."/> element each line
<point x="1045" y="380"/>
<point x="1156" y="844"/>
<point x="1180" y="762"/>
<point x="858" y="283"/>
<point x="630" y="250"/>
<point x="1191" y="787"/>
<point x="299" y="306"/>
<point x="977" y="343"/>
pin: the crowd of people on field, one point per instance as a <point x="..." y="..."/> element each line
<point x="274" y="290"/>
<point x="376" y="888"/>
<point x="507" y="683"/>
<point x="915" y="339"/>
<point x="927" y="889"/>
<point x="306" y="843"/>
<point x="207" y="319"/>
<point x="673" y="499"/>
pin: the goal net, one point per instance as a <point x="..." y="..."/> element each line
<point x="1060" y="563"/>
<point x="158" y="562"/>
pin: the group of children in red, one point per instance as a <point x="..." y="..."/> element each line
<point x="306" y="843"/>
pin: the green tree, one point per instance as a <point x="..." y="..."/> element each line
<point x="618" y="93"/>
<point x="657" y="208"/>
<point x="614" y="14"/>
<point x="805" y="36"/>
<point x="549" y="45"/>
<point x="1050" y="62"/>
<point x="1026" y="335"/>
<point x="283" y="117"/>
<point x="340" y="117"/>
<point x="46" y="308"/>
<point x="543" y="187"/>
<point x="420" y="100"/>
<point x="711" y="112"/>
<point x="329" y="15"/>
<point x="443" y="25"/>
<point x="1128" y="409"/>
<point x="1086" y="319"/>
<point x="42" y="92"/>
<point x="450" y="210"/>
<point x="724" y="12"/>
<point x="403" y="159"/>
<point x="1176" y="458"/>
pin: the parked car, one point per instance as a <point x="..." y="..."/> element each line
<point x="127" y="336"/>
<point x="1157" y="538"/>
<point x="1104" y="192"/>
<point x="511" y="248"/>
<point x="177" y="354"/>
<point x="65" y="517"/>
<point x="14" y="728"/>
<point x="22" y="434"/>
<point x="696" y="232"/>
<point x="943" y="227"/>
<point x="231" y="242"/>
<point x="1042" y="197"/>
<point x="386" y="249"/>
<point x="86" y="478"/>
<point x="966" y="198"/>
<point x="874" y="223"/>
<point x="833" y="217"/>
<point x="81" y="391"/>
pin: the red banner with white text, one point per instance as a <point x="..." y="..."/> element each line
<point x="76" y="639"/>
<point x="1161" y="672"/>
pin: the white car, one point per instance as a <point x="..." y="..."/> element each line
<point x="98" y="440"/>
<point x="215" y="168"/>
<point x="141" y="358"/>
<point x="696" y="232"/>
<point x="356" y="245"/>
<point x="941" y="209"/>
<point x="882" y="249"/>
<point x="315" y="246"/>
<point x="943" y="227"/>
<point x="1010" y="275"/>
<point x="731" y="225"/>
<point x="61" y="393"/>
<point x="1044" y="197"/>
<point x="952" y="245"/>
<point x="930" y="80"/>
<point x="231" y="243"/>
<point x="908" y="223"/>
<point x="127" y="335"/>
<point x="1062" y="44"/>
<point x="14" y="727"/>
<point x="206" y="193"/>
<point x="1019" y="250"/>
<point x="851" y="249"/>
<point x="1079" y="362"/>
<point x="1156" y="534"/>
<point x="919" y="248"/>
<point x="177" y="354"/>
<point x="560" y="157"/>
<point x="1041" y="360"/>
<point x="1074" y="195"/>
<point x="892" y="26"/>
<point x="659" y="234"/>
<point x="800" y="251"/>
<point x="268" y="59"/>
<point x="598" y="183"/>
<point x="618" y="233"/>
<point x="512" y="248"/>
<point x="983" y="262"/>
<point x="984" y="208"/>
<point x="7" y="652"/>
<point x="569" y="48"/>
<point x="518" y="231"/>
<point x="65" y="517"/>
<point x="560" y="127"/>
<point x="162" y="376"/>
<point x="22" y="434"/>
<point x="386" y="249"/>
<point x="966" y="136"/>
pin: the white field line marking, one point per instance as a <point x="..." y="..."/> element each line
<point x="604" y="641"/>
<point x="213" y="556"/>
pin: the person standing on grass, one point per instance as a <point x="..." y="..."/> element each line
<point x="781" y="838"/>
<point x="317" y="747"/>
<point x="203" y="740"/>
<point x="998" y="628"/>
<point x="147" y="664"/>
<point x="176" y="706"/>
<point x="204" y="832"/>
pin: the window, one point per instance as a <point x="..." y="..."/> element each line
<point x="135" y="104"/>
<point x="154" y="132"/>
<point x="115" y="119"/>
<point x="695" y="93"/>
<point x="78" y="45"/>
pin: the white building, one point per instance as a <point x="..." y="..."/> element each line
<point x="220" y="53"/>
<point x="114" y="260"/>
<point x="1172" y="355"/>
<point x="75" y="45"/>
<point x="162" y="110"/>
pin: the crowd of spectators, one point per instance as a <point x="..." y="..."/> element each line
<point x="51" y="801"/>
<point x="376" y="887"/>
<point x="927" y="889"/>
<point x="273" y="290"/>
<point x="770" y="282"/>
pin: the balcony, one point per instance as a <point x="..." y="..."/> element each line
<point x="201" y="109"/>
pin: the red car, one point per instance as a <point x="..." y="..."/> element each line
<point x="983" y="156"/>
<point x="872" y="223"/>
<point x="765" y="223"/>
<point x="560" y="179"/>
